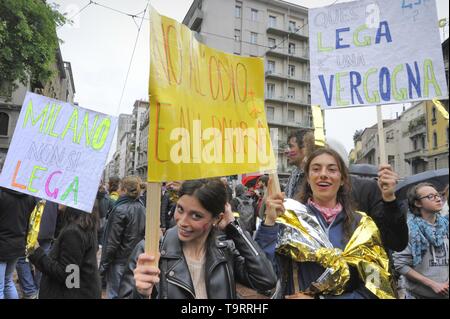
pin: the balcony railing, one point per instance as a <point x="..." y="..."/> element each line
<point x="301" y="55"/>
<point x="415" y="153"/>
<point x="297" y="33"/>
<point x="285" y="99"/>
<point x="283" y="76"/>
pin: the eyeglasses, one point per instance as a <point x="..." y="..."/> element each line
<point x="431" y="197"/>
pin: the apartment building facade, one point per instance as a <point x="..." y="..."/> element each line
<point x="273" y="29"/>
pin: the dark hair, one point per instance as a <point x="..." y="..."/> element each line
<point x="343" y="194"/>
<point x="412" y="196"/>
<point x="264" y="179"/>
<point x="114" y="183"/>
<point x="239" y="190"/>
<point x="87" y="221"/>
<point x="299" y="135"/>
<point x="211" y="194"/>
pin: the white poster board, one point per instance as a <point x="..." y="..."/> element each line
<point x="375" y="52"/>
<point x="58" y="152"/>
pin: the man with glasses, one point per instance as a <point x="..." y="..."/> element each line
<point x="424" y="262"/>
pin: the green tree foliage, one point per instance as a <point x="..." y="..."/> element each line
<point x="28" y="40"/>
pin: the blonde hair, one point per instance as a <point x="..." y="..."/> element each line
<point x="131" y="185"/>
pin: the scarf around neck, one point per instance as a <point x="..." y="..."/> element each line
<point x="329" y="214"/>
<point x="423" y="234"/>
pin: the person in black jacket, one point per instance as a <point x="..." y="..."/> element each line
<point x="70" y="270"/>
<point x="194" y="262"/>
<point x="15" y="211"/>
<point x="168" y="204"/>
<point x="105" y="204"/>
<point x="124" y="229"/>
<point x="389" y="215"/>
<point x="29" y="278"/>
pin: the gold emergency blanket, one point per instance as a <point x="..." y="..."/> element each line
<point x="303" y="239"/>
<point x="34" y="226"/>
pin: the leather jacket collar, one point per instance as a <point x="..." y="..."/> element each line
<point x="177" y="271"/>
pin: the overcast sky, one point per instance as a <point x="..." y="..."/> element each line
<point x="100" y="43"/>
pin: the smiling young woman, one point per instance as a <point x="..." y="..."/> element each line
<point x="326" y="193"/>
<point x="195" y="261"/>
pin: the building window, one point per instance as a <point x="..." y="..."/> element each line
<point x="291" y="116"/>
<point x="272" y="43"/>
<point x="435" y="140"/>
<point x="237" y="35"/>
<point x="310" y="118"/>
<point x="292" y="27"/>
<point x="253" y="37"/>
<point x="433" y="115"/>
<point x="270" y="90"/>
<point x="435" y="163"/>
<point x="5" y="89"/>
<point x="254" y="15"/>
<point x="291" y="48"/>
<point x="415" y="144"/>
<point x="271" y="66"/>
<point x="422" y="138"/>
<point x="291" y="70"/>
<point x="272" y="21"/>
<point x="238" y="11"/>
<point x="291" y="93"/>
<point x="4" y="123"/>
<point x="270" y="113"/>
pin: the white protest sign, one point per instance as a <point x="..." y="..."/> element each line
<point x="58" y="152"/>
<point x="375" y="52"/>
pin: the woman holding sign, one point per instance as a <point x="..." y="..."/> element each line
<point x="324" y="249"/>
<point x="70" y="270"/>
<point x="195" y="262"/>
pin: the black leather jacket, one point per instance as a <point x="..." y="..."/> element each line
<point x="238" y="259"/>
<point x="124" y="229"/>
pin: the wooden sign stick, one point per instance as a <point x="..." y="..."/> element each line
<point x="275" y="182"/>
<point x="381" y="139"/>
<point x="152" y="229"/>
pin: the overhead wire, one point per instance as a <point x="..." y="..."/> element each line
<point x="132" y="56"/>
<point x="141" y="15"/>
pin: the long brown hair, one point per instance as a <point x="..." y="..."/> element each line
<point x="89" y="222"/>
<point x="343" y="195"/>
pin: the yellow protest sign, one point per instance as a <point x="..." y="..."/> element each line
<point x="319" y="134"/>
<point x="440" y="108"/>
<point x="207" y="113"/>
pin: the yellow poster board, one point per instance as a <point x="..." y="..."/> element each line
<point x="319" y="132"/>
<point x="207" y="113"/>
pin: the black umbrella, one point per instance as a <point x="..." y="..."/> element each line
<point x="439" y="178"/>
<point x="365" y="170"/>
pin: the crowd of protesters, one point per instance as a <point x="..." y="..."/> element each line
<point x="216" y="233"/>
